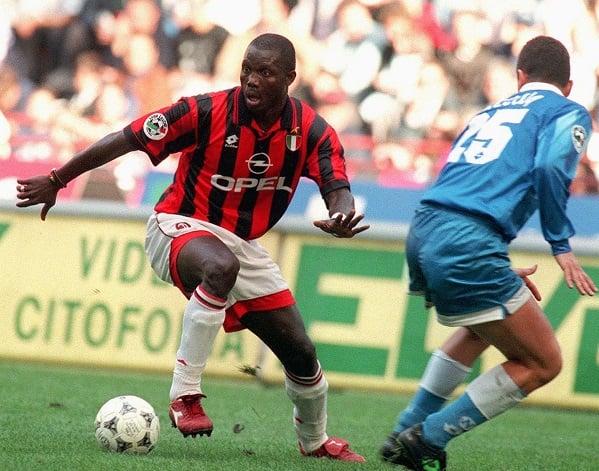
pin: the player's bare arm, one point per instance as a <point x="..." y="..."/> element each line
<point x="42" y="189"/>
<point x="343" y="222"/>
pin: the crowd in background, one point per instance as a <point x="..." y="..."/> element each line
<point x="397" y="78"/>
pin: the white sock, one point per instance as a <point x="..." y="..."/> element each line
<point x="309" y="396"/>
<point x="494" y="392"/>
<point x="443" y="374"/>
<point x="202" y="319"/>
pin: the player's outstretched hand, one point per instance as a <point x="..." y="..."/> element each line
<point x="574" y="275"/>
<point x="524" y="273"/>
<point x="343" y="226"/>
<point x="37" y="190"/>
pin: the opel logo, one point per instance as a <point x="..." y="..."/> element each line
<point x="259" y="163"/>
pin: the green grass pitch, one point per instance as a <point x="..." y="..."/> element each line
<point x="48" y="411"/>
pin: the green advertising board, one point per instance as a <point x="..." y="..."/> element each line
<point x="370" y="333"/>
<point x="81" y="292"/>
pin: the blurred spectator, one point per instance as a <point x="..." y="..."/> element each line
<point x="332" y="104"/>
<point x="467" y="64"/>
<point x="395" y="85"/>
<point x="423" y="16"/>
<point x="110" y="111"/>
<point x="593" y="151"/>
<point x="354" y="52"/>
<point x="41" y="109"/>
<point x="500" y="80"/>
<point x="399" y="166"/>
<point x="397" y="78"/>
<point x="6" y="37"/>
<point x="503" y="18"/>
<point x="48" y="36"/>
<point x="409" y="139"/>
<point x="235" y="16"/>
<point x="197" y="46"/>
<point x="87" y="83"/>
<point x="144" y="17"/>
<point x="14" y="90"/>
<point x="100" y="17"/>
<point x="91" y="10"/>
<point x="147" y="80"/>
<point x="571" y="21"/>
<point x="433" y="96"/>
<point x="517" y="33"/>
<point x="10" y="95"/>
<point x="315" y="18"/>
<point x="585" y="181"/>
<point x="5" y="133"/>
<point x="36" y="134"/>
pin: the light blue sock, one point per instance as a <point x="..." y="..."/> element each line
<point x="442" y="375"/>
<point x="458" y="417"/>
<point x="489" y="395"/>
<point x="423" y="403"/>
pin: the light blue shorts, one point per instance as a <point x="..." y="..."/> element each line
<point x="460" y="263"/>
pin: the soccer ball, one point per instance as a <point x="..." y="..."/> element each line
<point x="127" y="424"/>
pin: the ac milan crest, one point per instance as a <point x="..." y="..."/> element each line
<point x="293" y="140"/>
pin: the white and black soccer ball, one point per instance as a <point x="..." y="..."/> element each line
<point x="127" y="424"/>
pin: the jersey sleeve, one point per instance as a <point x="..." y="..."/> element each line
<point x="166" y="131"/>
<point x="325" y="162"/>
<point x="559" y="148"/>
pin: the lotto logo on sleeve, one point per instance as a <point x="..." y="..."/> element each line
<point x="156" y="126"/>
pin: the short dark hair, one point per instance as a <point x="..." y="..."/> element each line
<point x="276" y="42"/>
<point x="545" y="59"/>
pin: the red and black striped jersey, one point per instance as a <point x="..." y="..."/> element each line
<point x="230" y="172"/>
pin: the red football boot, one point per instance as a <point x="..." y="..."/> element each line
<point x="186" y="414"/>
<point x="335" y="449"/>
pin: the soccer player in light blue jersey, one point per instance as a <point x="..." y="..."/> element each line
<point x="513" y="158"/>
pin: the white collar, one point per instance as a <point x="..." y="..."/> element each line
<point x="540" y="86"/>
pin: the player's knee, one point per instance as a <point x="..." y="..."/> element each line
<point x="221" y="274"/>
<point x="550" y="367"/>
<point x="301" y="360"/>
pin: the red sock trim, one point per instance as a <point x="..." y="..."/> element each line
<point x="209" y="300"/>
<point x="306" y="381"/>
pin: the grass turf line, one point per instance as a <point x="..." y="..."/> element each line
<point x="48" y="413"/>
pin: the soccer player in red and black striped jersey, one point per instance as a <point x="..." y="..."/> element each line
<point x="242" y="153"/>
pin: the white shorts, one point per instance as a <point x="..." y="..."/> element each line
<point x="260" y="285"/>
<point x="488" y="315"/>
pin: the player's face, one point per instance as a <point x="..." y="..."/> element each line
<point x="264" y="81"/>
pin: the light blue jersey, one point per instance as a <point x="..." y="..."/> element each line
<point x="515" y="157"/>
